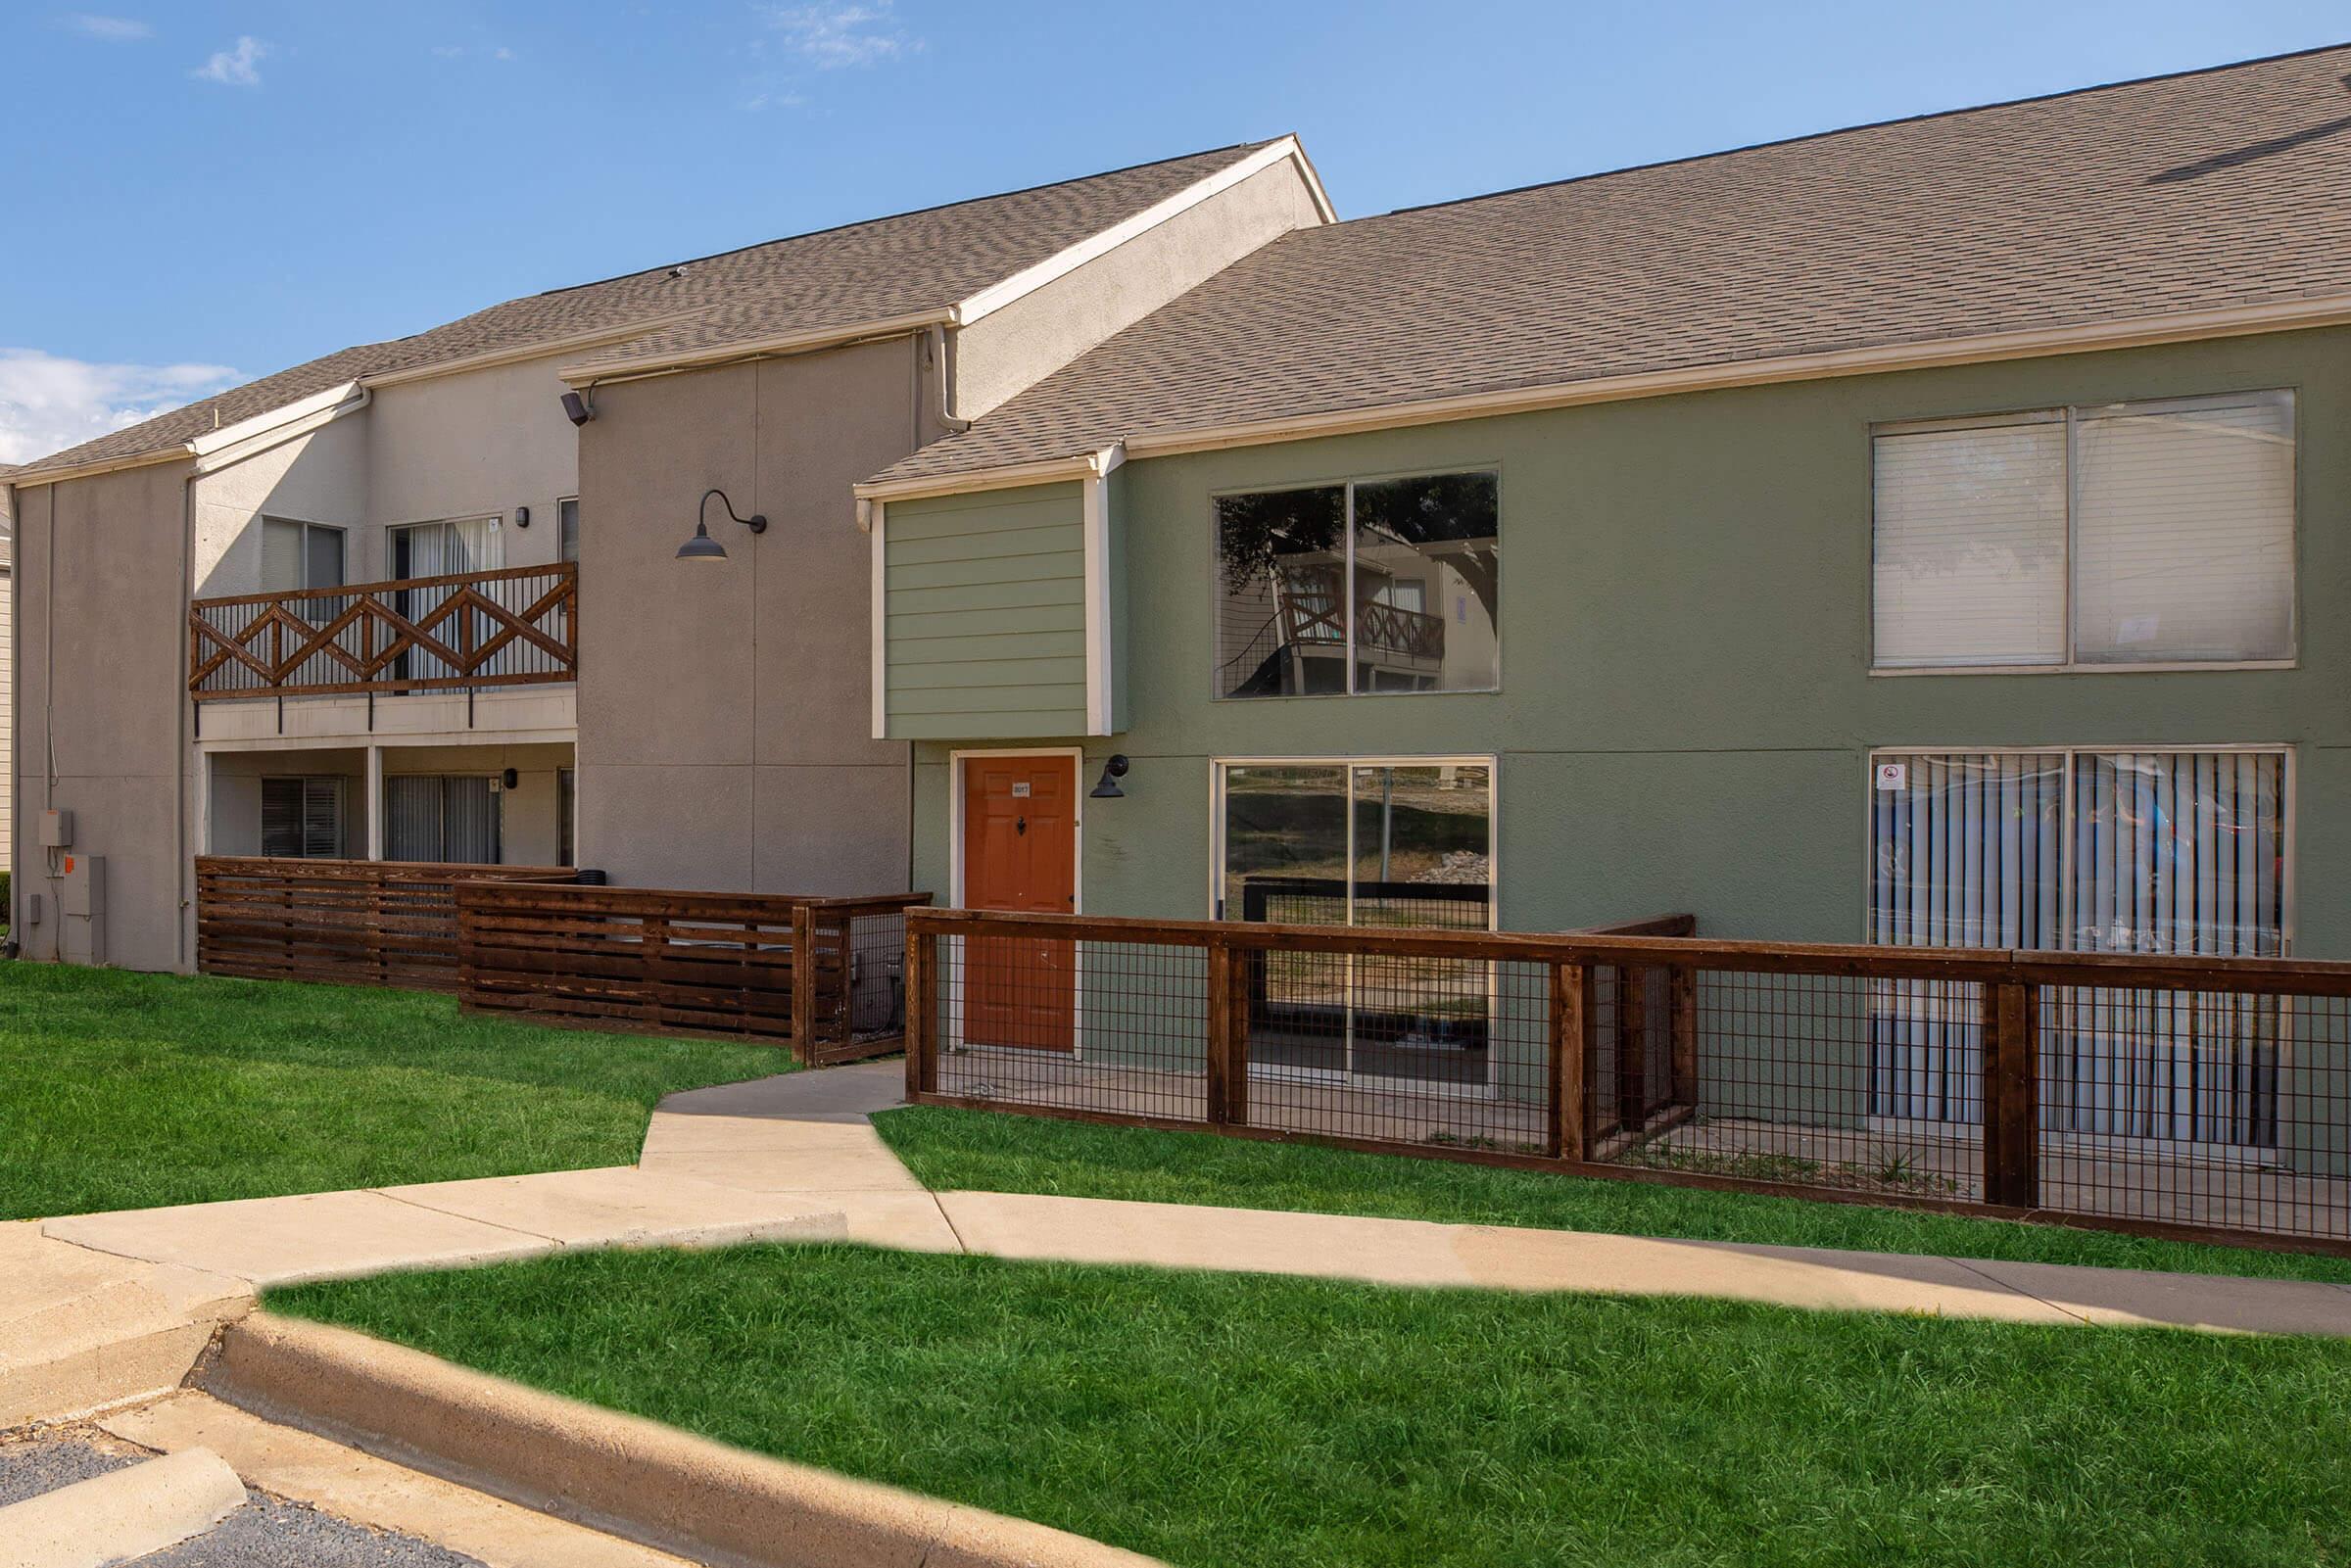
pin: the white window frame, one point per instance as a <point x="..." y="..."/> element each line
<point x="2070" y="415"/>
<point x="1346" y="486"/>
<point x="1220" y="766"/>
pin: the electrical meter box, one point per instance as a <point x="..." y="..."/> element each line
<point x="57" y="830"/>
<point x="81" y="889"/>
<point x="81" y="902"/>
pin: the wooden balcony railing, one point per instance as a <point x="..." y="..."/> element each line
<point x="519" y="626"/>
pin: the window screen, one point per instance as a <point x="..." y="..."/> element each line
<point x="1970" y="560"/>
<point x="2184" y="531"/>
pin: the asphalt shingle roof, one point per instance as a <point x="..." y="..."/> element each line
<point x="2224" y="187"/>
<point x="840" y="277"/>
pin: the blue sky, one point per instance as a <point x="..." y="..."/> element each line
<point x="206" y="192"/>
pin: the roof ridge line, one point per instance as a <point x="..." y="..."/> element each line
<point x="884" y="218"/>
<point x="1853" y="129"/>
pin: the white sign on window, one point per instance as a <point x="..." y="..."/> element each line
<point x="1893" y="775"/>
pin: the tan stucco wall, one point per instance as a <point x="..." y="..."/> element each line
<point x="482" y="443"/>
<point x="320" y="477"/>
<point x="1013" y="349"/>
<point x="527" y="825"/>
<point x="725" y="708"/>
<point x="99" y="642"/>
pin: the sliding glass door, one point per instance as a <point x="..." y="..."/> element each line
<point x="1403" y="842"/>
<point x="2089" y="851"/>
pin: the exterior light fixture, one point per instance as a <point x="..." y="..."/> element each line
<point x="576" y="409"/>
<point x="1112" y="772"/>
<point x="701" y="546"/>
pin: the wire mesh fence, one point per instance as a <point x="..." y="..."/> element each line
<point x="2213" y="1100"/>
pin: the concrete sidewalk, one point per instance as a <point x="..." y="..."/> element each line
<point x="810" y="1134"/>
<point x="100" y="1310"/>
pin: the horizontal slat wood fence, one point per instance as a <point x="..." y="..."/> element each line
<point x="517" y="626"/>
<point x="2200" y="1098"/>
<point x="820" y="975"/>
<point x="338" y="921"/>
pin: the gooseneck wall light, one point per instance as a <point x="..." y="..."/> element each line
<point x="701" y="546"/>
<point x="1108" y="788"/>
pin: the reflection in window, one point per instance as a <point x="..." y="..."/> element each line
<point x="1397" y="845"/>
<point x="1388" y="586"/>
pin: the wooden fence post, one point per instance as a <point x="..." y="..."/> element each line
<point x="803" y="984"/>
<point x="1229" y="1010"/>
<point x="922" y="1013"/>
<point x="2010" y="1012"/>
<point x="1221" y="986"/>
<point x="1566" y="1136"/>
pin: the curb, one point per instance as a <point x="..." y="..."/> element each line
<point x="621" y="1474"/>
<point x="122" y="1515"/>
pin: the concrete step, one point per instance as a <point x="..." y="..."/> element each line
<point x="82" y="1329"/>
<point x="120" y="1515"/>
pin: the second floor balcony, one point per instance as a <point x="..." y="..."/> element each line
<point x="514" y="627"/>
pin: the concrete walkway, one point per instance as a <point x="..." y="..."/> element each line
<point x="809" y="1134"/>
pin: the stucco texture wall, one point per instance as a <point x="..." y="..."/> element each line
<point x="1013" y="349"/>
<point x="1686" y="706"/>
<point x="725" y="708"/>
<point x="99" y="645"/>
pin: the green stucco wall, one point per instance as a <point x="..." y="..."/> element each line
<point x="985" y="596"/>
<point x="1685" y="707"/>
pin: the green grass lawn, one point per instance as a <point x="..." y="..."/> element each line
<point x="1219" y="1419"/>
<point x="989" y="1151"/>
<point x="120" y="1090"/>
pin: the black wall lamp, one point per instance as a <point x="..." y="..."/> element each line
<point x="1112" y="772"/>
<point x="701" y="546"/>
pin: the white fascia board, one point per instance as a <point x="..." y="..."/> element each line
<point x="176" y="452"/>
<point x="1012" y="476"/>
<point x="1102" y="242"/>
<point x="234" y="444"/>
<point x="878" y="645"/>
<point x="779" y="343"/>
<point x="545" y="349"/>
<point x="1097" y="491"/>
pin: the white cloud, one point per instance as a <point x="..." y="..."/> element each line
<point x="237" y="67"/>
<point x="109" y="30"/>
<point x="843" y="32"/>
<point x="49" y="403"/>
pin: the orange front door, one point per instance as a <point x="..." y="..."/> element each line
<point x="1020" y="852"/>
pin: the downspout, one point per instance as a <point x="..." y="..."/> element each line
<point x="946" y="400"/>
<point x="181" y="703"/>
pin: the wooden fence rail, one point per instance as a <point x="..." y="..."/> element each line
<point x="340" y="922"/>
<point x="2203" y="1098"/>
<point x="819" y="975"/>
<point x="518" y="625"/>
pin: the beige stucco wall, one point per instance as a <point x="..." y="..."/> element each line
<point x="99" y="645"/>
<point x="320" y="477"/>
<point x="1013" y="349"/>
<point x="481" y="443"/>
<point x="528" y="827"/>
<point x="725" y="708"/>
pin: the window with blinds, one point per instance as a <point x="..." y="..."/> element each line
<point x="2084" y="851"/>
<point x="2142" y="533"/>
<point x="301" y="819"/>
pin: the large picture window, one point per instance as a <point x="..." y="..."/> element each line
<point x="1390" y="842"/>
<point x="2093" y="851"/>
<point x="1373" y="587"/>
<point x="2134" y="534"/>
